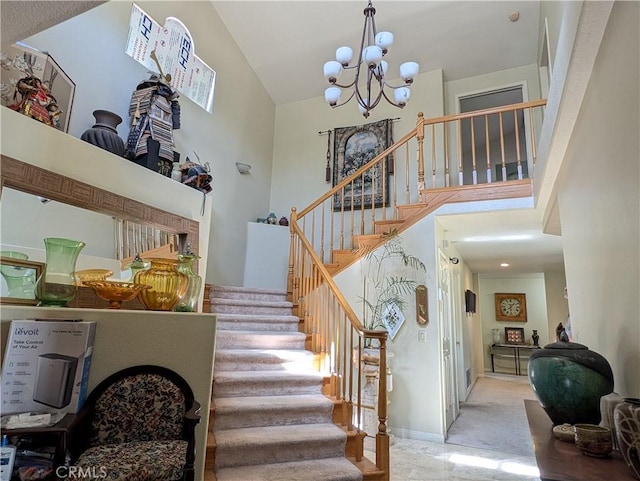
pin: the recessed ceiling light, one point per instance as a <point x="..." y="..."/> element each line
<point x="504" y="264"/>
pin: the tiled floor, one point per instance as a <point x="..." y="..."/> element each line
<point x="431" y="461"/>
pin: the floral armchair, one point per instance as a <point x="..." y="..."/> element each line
<point x="137" y="424"/>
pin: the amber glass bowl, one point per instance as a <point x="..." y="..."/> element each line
<point x="116" y="292"/>
<point x="91" y="275"/>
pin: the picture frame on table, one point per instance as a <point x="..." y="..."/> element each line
<point x="19" y="281"/>
<point x="514" y="335"/>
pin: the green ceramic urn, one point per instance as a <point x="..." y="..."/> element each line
<point x="569" y="379"/>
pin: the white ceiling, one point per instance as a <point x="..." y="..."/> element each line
<point x="287" y="42"/>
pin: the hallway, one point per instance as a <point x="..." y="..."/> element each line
<point x="508" y="455"/>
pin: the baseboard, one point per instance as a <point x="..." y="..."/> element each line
<point x="417" y="435"/>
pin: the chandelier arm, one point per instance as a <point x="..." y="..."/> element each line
<point x="342" y="103"/>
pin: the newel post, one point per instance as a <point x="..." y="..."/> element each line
<point x="293" y="220"/>
<point x="420" y="138"/>
<point x="382" y="437"/>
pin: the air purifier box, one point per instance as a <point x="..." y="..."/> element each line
<point x="46" y="366"/>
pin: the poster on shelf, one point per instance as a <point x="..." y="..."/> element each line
<point x="175" y="52"/>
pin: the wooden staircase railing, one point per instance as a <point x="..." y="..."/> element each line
<point x="338" y="336"/>
<point x="463" y="151"/>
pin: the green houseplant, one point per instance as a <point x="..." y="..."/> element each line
<point x="389" y="277"/>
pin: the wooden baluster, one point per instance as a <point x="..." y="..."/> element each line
<point x="372" y="171"/>
<point x="322" y="234"/>
<point x="504" y="164"/>
<point x="382" y="438"/>
<point x="447" y="173"/>
<point x="473" y="151"/>
<point x="362" y="204"/>
<point x="329" y="203"/>
<point x="488" y="147"/>
<point x="516" y="129"/>
<point x="407" y="190"/>
<point x="342" y="216"/>
<point x="384" y="188"/>
<point x="532" y="136"/>
<point x="313" y="229"/>
<point x="420" y="137"/>
<point x="433" y="156"/>
<point x="460" y="171"/>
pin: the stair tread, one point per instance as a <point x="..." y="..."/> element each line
<point x="233" y="332"/>
<point x="219" y="301"/>
<point x="305" y="401"/>
<point x="269" y="435"/>
<point x="328" y="469"/>
<point x="257" y="290"/>
<point x="225" y="316"/>
<point x="261" y="376"/>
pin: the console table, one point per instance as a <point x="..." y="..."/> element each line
<point x="562" y="461"/>
<point x="517" y="352"/>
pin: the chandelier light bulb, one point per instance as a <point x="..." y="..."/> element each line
<point x="384" y="40"/>
<point x="363" y="111"/>
<point x="332" y="70"/>
<point x="344" y="55"/>
<point x="408" y="71"/>
<point x="372" y="55"/>
<point x="384" y="65"/>
<point x="332" y="95"/>
<point x="401" y="95"/>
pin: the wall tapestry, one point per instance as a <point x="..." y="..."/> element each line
<point x="353" y="147"/>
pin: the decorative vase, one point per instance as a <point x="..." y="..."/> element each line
<point x="57" y="284"/>
<point x="104" y="134"/>
<point x="167" y="284"/>
<point x="20" y="281"/>
<point x="495" y="336"/>
<point x="626" y="418"/>
<point x="138" y="264"/>
<point x="189" y="301"/>
<point x="607" y="405"/>
<point x="569" y="379"/>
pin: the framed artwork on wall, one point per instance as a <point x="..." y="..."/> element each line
<point x="511" y="307"/>
<point x="353" y="147"/>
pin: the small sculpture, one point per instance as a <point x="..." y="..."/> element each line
<point x="283" y="221"/>
<point x="535" y="337"/>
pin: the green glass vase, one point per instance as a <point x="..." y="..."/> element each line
<point x="57" y="285"/>
<point x="21" y="281"/>
<point x="189" y="301"/>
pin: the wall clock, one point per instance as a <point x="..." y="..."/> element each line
<point x="511" y="307"/>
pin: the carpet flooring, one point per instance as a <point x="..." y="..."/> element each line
<point x="493" y="417"/>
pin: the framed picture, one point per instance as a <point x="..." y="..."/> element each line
<point x="33" y="84"/>
<point x="470" y="301"/>
<point x="19" y="280"/>
<point x="514" y="335"/>
<point x="511" y="307"/>
<point x="422" y="305"/>
<point x="353" y="147"/>
<point x="392" y="319"/>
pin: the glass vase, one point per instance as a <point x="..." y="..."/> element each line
<point x="189" y="301"/>
<point x="167" y="284"/>
<point x="57" y="284"/>
<point x="20" y="281"/>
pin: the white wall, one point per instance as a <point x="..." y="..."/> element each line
<point x="557" y="305"/>
<point x="599" y="205"/>
<point x="267" y="258"/>
<point x="90" y="48"/>
<point x="532" y="285"/>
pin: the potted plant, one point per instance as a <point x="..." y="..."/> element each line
<point x="389" y="278"/>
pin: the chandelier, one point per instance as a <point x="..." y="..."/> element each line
<point x="368" y="93"/>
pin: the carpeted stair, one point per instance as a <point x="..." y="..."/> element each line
<point x="271" y="420"/>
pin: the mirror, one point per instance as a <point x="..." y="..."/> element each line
<point x="27" y="178"/>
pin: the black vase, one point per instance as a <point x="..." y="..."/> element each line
<point x="569" y="379"/>
<point x="104" y="134"/>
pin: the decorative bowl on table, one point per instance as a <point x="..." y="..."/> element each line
<point x="593" y="440"/>
<point x="91" y="275"/>
<point x="116" y="292"/>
